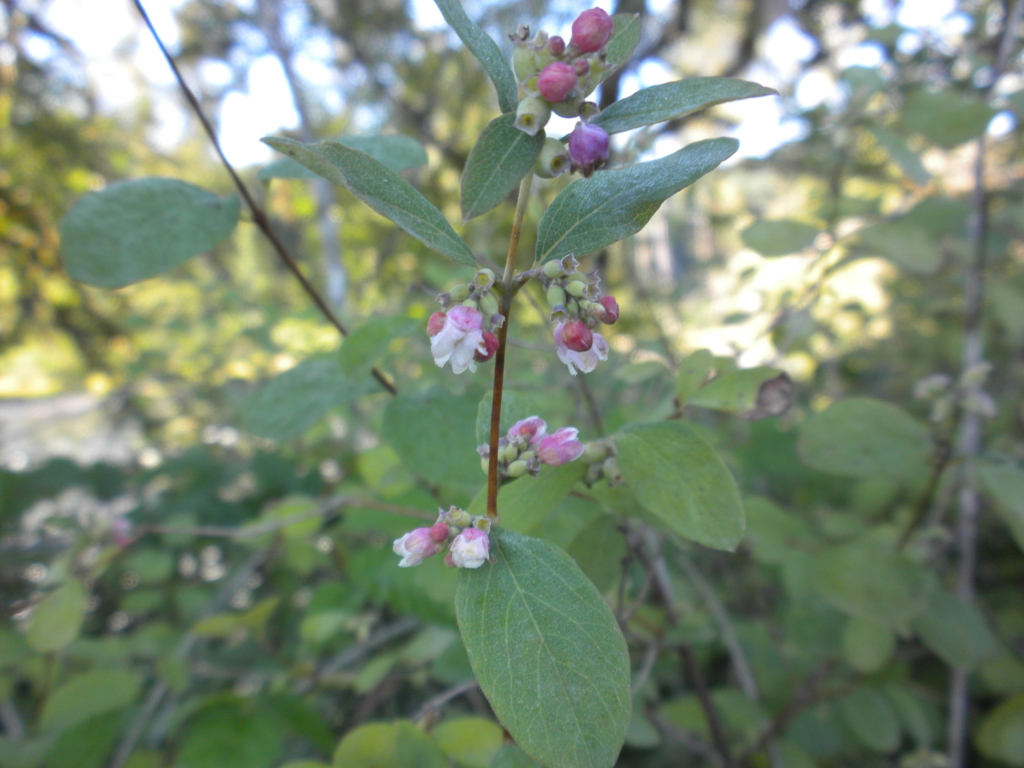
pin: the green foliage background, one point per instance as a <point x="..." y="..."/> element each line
<point x="211" y="634"/>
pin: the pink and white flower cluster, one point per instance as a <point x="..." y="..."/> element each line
<point x="577" y="306"/>
<point x="464" y="536"/>
<point x="527" y="446"/>
<point x="463" y="334"/>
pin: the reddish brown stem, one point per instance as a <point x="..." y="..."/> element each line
<point x="499" y="357"/>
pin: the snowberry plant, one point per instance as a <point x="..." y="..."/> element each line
<point x="543" y="643"/>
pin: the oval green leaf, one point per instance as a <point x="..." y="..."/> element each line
<point x="58" y="617"/>
<point x="864" y="437"/>
<point x="433" y="433"/>
<point x="869" y="580"/>
<point x="547" y="652"/>
<point x="946" y="118"/>
<point x="87" y="695"/>
<point x="487" y="52"/>
<point x="693" y="372"/>
<point x="780" y="237"/>
<point x="382" y="189"/>
<point x="500" y="158"/>
<point x="678" y="476"/>
<point x="366" y="344"/>
<point x="399" y="153"/>
<point x="138" y="229"/>
<point x="672" y="100"/>
<point x="1000" y="736"/>
<point x="625" y="38"/>
<point x="591" y="213"/>
<point x="956" y="632"/>
<point x="872" y="718"/>
<point x="1005" y="484"/>
<point x="290" y="403"/>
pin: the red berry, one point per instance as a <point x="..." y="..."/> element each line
<point x="611" y="307"/>
<point x="576" y="336"/>
<point x="435" y="324"/>
<point x="556" y="80"/>
<point x="591" y="30"/>
<point x="491" y="346"/>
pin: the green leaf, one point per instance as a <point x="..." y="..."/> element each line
<point x="902" y="155"/>
<point x="867" y="645"/>
<point x="515" y="406"/>
<point x="1005" y="484"/>
<point x="88" y="744"/>
<point x="433" y="432"/>
<point x="399" y="153"/>
<point x="87" y="695"/>
<point x="872" y="719"/>
<point x="500" y="158"/>
<point x="292" y="402"/>
<point x="598" y="550"/>
<point x="1000" y="735"/>
<point x="382" y="189"/>
<point x="864" y="437"/>
<point x="547" y="652"/>
<point x="678" y="476"/>
<point x="56" y="620"/>
<point x="772" y="533"/>
<point x="486" y="51"/>
<point x="591" y="213"/>
<point x="364" y="346"/>
<point x="740" y="392"/>
<point x="226" y="734"/>
<point x="946" y="118"/>
<point x="869" y="580"/>
<point x="524" y="504"/>
<point x="471" y="742"/>
<point x="779" y="237"/>
<point x="671" y="100"/>
<point x="904" y="243"/>
<point x="956" y="631"/>
<point x="135" y="230"/>
<point x="911" y="711"/>
<point x="620" y="46"/>
<point x="511" y="756"/>
<point x="693" y="372"/>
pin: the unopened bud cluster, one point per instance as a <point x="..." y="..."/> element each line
<point x="556" y="77"/>
<point x="599" y="457"/>
<point x="464" y="332"/>
<point x="527" y="446"/>
<point x="465" y="536"/>
<point x="577" y="307"/>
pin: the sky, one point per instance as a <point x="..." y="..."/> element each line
<point x="109" y="33"/>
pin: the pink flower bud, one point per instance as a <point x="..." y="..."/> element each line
<point x="530" y="428"/>
<point x="611" y="307"/>
<point x="591" y="30"/>
<point x="588" y="147"/>
<point x="556" y="80"/>
<point x="560" y="448"/>
<point x="435" y="324"/>
<point x="576" y="336"/>
<point x="439" y="532"/>
<point x="490" y="347"/>
<point x="415" y="547"/>
<point x="470" y="549"/>
<point x="556" y="46"/>
<point x="581" y="67"/>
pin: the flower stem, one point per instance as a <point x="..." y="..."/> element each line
<point x="508" y="292"/>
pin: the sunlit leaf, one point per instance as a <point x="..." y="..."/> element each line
<point x="486" y="51"/>
<point x="500" y="158"/>
<point x="56" y="620"/>
<point x="382" y="189"/>
<point x="291" y="402"/>
<point x="137" y="229"/>
<point x="898" y="151"/>
<point x="946" y="118"/>
<point x="779" y="237"/>
<point x="547" y="652"/>
<point x="668" y="101"/>
<point x="678" y="476"/>
<point x="611" y="205"/>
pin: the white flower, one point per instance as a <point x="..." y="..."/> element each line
<point x="470" y="548"/>
<point x="415" y="547"/>
<point x="585" y="361"/>
<point x="460" y="339"/>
